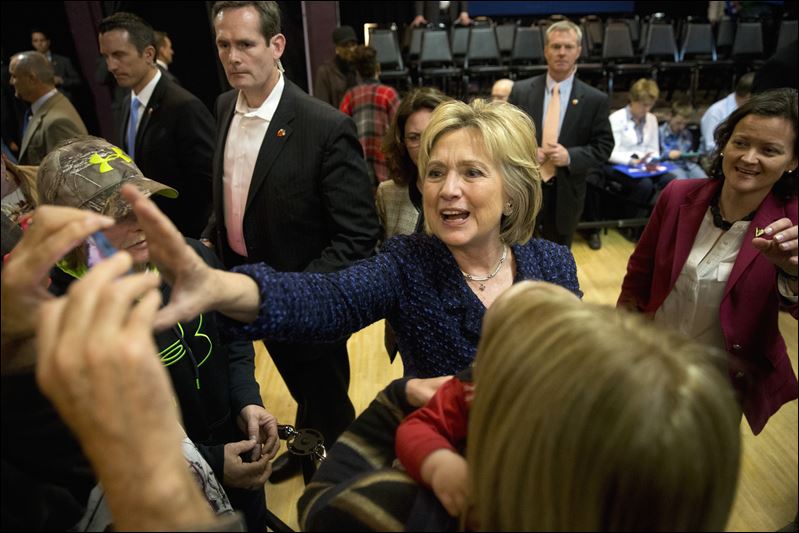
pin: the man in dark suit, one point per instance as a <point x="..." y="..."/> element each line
<point x="579" y="137"/>
<point x="291" y="190"/>
<point x="67" y="79"/>
<point x="167" y="130"/>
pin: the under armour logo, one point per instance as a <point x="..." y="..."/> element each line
<point x="97" y="159"/>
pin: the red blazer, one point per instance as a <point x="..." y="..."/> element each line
<point x="759" y="366"/>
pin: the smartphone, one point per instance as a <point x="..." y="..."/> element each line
<point x="99" y="248"/>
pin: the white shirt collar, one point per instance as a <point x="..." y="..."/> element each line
<point x="162" y="64"/>
<point x="35" y="106"/>
<point x="145" y="94"/>
<point x="266" y="110"/>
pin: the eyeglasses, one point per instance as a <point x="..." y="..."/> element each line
<point x="413" y="139"/>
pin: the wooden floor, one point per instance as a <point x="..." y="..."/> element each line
<point x="767" y="489"/>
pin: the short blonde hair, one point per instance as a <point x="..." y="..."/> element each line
<point x="508" y="135"/>
<point x="564" y="25"/>
<point x="644" y="88"/>
<point x="588" y="418"/>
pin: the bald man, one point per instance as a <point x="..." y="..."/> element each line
<point x="51" y="117"/>
<point x="501" y="90"/>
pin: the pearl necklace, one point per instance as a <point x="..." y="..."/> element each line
<point x="482" y="279"/>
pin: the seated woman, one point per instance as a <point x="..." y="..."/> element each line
<point x="481" y="192"/>
<point x="718" y="259"/>
<point x="635" y="134"/>
<point x="584" y="418"/>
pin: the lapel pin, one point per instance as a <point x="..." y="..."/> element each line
<point x="281" y="132"/>
<point x="574" y="102"/>
<point x="759" y="232"/>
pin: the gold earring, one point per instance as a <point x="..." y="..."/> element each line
<point x="508" y="209"/>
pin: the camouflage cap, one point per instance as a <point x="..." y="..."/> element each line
<point x="88" y="172"/>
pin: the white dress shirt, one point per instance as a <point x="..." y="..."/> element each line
<point x="244" y="140"/>
<point x="144" y="96"/>
<point x="692" y="306"/>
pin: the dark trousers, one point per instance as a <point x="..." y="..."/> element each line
<point x="318" y="378"/>
<point x="640" y="193"/>
<point x="546" y="223"/>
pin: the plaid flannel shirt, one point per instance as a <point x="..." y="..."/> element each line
<point x="372" y="106"/>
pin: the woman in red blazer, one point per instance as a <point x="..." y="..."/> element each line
<point x="718" y="258"/>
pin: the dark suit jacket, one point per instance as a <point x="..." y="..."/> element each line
<point x="62" y="67"/>
<point x="759" y="368"/>
<point x="171" y="77"/>
<point x="310" y="205"/>
<point x="585" y="133"/>
<point x="174" y="145"/>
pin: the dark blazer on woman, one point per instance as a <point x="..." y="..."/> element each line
<point x="759" y="365"/>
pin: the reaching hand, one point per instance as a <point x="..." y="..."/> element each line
<point x="261" y="426"/>
<point x="191" y="279"/>
<point x="419" y="20"/>
<point x="779" y="245"/>
<point x="196" y="287"/>
<point x="53" y="231"/>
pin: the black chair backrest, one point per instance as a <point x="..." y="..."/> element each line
<point x="386" y="44"/>
<point x="660" y="42"/>
<point x="617" y="43"/>
<point x="748" y="39"/>
<point x="698" y="41"/>
<point x="592" y="26"/>
<point x="505" y="35"/>
<point x="416" y="42"/>
<point x="635" y="28"/>
<point x="435" y="48"/>
<point x="789" y="30"/>
<point x="460" y="40"/>
<point x="483" y="47"/>
<point x="726" y="33"/>
<point x="527" y="47"/>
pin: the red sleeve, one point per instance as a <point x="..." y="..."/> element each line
<point x="442" y="423"/>
<point x="346" y="101"/>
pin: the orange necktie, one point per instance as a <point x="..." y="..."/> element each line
<point x="550" y="133"/>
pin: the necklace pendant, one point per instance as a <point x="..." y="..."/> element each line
<point x="482" y="286"/>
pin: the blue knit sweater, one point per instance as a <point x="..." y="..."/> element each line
<point x="414" y="282"/>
